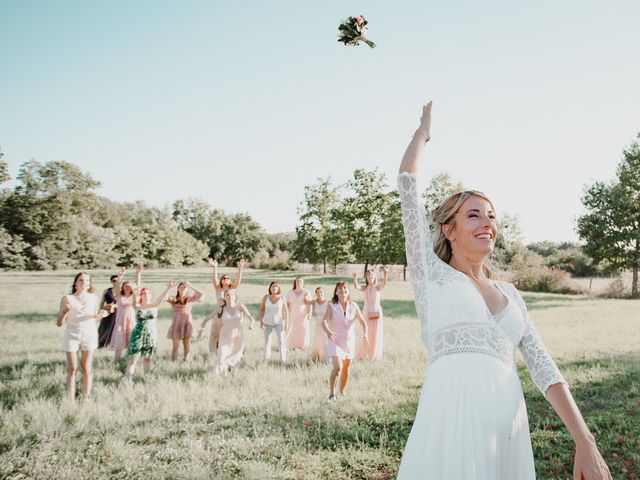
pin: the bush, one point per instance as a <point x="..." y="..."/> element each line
<point x="616" y="289"/>
<point x="544" y="279"/>
<point x="278" y="261"/>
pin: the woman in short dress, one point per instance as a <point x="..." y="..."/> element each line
<point x="181" y="329"/>
<point x="299" y="313"/>
<point x="319" y="343"/>
<point x="144" y="338"/>
<point x="339" y="325"/>
<point x="372" y="313"/>
<point x="78" y="313"/>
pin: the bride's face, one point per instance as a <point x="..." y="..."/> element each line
<point x="474" y="231"/>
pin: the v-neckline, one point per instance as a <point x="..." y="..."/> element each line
<point x="486" y="306"/>
<point x="273" y="303"/>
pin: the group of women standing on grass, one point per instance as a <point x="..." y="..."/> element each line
<point x="128" y="314"/>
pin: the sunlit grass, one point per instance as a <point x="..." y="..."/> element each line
<point x="271" y="420"/>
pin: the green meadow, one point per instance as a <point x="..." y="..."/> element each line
<point x="273" y="421"/>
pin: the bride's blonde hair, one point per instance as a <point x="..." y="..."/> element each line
<point x="444" y="214"/>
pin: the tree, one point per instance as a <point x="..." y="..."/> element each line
<point x="313" y="233"/>
<point x="365" y="211"/>
<point x="611" y="225"/>
<point x="391" y="246"/>
<point x="199" y="219"/>
<point x="440" y="187"/>
<point x="12" y="251"/>
<point x="243" y="237"/>
<point x="4" y="169"/>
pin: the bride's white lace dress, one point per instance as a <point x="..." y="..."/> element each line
<point x="471" y="421"/>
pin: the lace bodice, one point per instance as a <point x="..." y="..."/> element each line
<point x="454" y="317"/>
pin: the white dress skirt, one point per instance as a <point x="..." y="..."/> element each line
<point x="471" y="422"/>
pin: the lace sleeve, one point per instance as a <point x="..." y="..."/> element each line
<point x="422" y="261"/>
<point x="541" y="366"/>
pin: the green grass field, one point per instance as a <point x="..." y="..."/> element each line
<point x="272" y="421"/>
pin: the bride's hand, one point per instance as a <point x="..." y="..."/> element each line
<point x="589" y="464"/>
<point x="425" y="122"/>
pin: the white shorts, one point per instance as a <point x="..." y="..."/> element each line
<point x="83" y="336"/>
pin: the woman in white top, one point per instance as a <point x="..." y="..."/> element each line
<point x="319" y="345"/>
<point x="274" y="317"/>
<point x="372" y="313"/>
<point x="471" y="421"/>
<point x="78" y="313"/>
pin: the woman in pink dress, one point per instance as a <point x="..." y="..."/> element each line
<point x="231" y="342"/>
<point x="299" y="313"/>
<point x="339" y="325"/>
<point x="372" y="312"/>
<point x="125" y="295"/>
<point x="181" y="328"/>
<point x="319" y="304"/>
<point x="220" y="286"/>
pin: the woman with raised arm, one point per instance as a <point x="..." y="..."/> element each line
<point x="372" y="313"/>
<point x="299" y="313"/>
<point x="225" y="283"/>
<point x="125" y="295"/>
<point x="339" y="325"/>
<point x="144" y="338"/>
<point x="78" y="313"/>
<point x="181" y="329"/>
<point x="319" y="343"/>
<point x="471" y="421"/>
<point x="274" y="317"/>
<point x="219" y="287"/>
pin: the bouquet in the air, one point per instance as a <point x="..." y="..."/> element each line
<point x="352" y="31"/>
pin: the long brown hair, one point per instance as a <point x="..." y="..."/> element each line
<point x="444" y="214"/>
<point x="335" y="298"/>
<point x="179" y="299"/>
<point x="375" y="279"/>
<point x="75" y="279"/>
<point x="122" y="288"/>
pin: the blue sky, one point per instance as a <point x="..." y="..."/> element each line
<point x="242" y="104"/>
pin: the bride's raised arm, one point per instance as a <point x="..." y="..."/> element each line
<point x="420" y="138"/>
<point x="421" y="259"/>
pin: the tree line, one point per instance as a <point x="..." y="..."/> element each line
<point x="53" y="219"/>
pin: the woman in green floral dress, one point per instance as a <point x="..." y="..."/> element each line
<point x="143" y="340"/>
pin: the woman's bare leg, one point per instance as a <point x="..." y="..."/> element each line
<point x="72" y="368"/>
<point x="146" y="365"/>
<point x="86" y="365"/>
<point x="174" y="349"/>
<point x="346" y="363"/>
<point x="186" y="344"/>
<point x="335" y="372"/>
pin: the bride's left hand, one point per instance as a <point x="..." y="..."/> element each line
<point x="589" y="464"/>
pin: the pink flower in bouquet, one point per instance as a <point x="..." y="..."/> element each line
<point x="360" y="19"/>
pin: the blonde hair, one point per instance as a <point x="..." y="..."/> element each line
<point x="444" y="214"/>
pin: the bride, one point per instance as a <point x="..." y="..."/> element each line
<point x="472" y="421"/>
